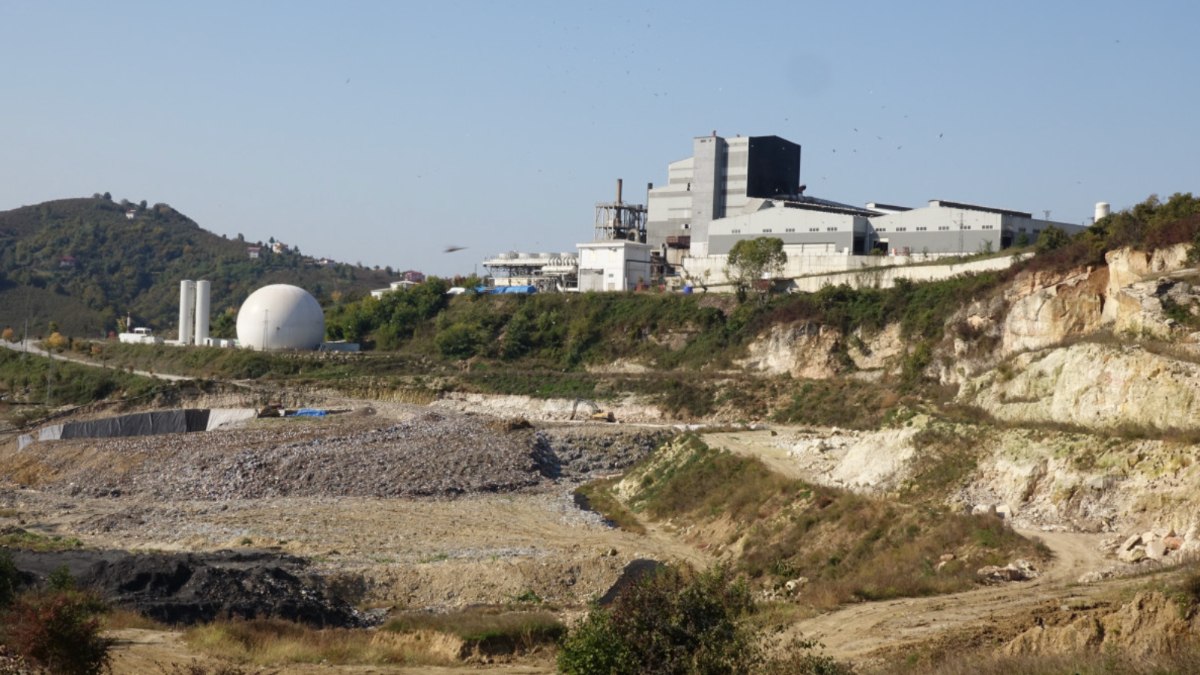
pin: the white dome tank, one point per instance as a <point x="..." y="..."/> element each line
<point x="280" y="317"/>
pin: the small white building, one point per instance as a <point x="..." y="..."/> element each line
<point x="140" y="336"/>
<point x="616" y="265"/>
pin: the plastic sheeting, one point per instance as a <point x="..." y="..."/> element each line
<point x="219" y="417"/>
<point x="140" y="424"/>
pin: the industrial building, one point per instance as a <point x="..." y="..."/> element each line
<point x="746" y="187"/>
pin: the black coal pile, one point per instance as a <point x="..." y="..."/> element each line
<point x="187" y="588"/>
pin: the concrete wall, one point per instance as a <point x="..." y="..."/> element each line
<point x="810" y="273"/>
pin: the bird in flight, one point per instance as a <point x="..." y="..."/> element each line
<point x="452" y="249"/>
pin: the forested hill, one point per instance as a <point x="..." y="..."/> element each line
<point x="85" y="263"/>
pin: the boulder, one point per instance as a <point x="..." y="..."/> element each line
<point x="1156" y="549"/>
<point x="1130" y="543"/>
<point x="1136" y="554"/>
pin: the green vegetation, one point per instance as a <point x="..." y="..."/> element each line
<point x="40" y="380"/>
<point x="753" y="263"/>
<point x="83" y="264"/>
<point x="848" y="546"/>
<point x="16" y="538"/>
<point x="671" y="621"/>
<point x="1150" y="225"/>
<point x="597" y="496"/>
<point x="57" y="629"/>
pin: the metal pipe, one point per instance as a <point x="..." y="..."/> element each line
<point x="618" y="190"/>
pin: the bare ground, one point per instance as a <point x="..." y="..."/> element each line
<point x="493" y="547"/>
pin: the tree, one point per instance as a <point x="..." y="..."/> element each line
<point x="1052" y="238"/>
<point x="753" y="260"/>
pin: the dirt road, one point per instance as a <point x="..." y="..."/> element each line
<point x="858" y="630"/>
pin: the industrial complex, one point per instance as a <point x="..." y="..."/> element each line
<point x="732" y="189"/>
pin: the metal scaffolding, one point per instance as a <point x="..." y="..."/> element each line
<point x="618" y="220"/>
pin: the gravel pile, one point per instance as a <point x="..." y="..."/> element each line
<point x="429" y="455"/>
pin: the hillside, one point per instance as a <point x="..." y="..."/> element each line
<point x="83" y="264"/>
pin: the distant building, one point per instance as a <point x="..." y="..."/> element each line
<point x="616" y="265"/>
<point x="401" y="285"/>
<point x="67" y="262"/>
<point x="413" y="276"/>
<point x="131" y="214"/>
<point x="279" y="247"/>
<point x="255" y="252"/>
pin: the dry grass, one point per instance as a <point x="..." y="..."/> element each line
<point x="411" y="639"/>
<point x="271" y="641"/>
<point x="850" y="547"/>
<point x="490" y="630"/>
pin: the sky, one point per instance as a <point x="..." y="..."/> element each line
<point x="383" y="132"/>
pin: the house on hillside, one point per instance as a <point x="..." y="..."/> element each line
<point x="255" y="252"/>
<point x="67" y="262"/>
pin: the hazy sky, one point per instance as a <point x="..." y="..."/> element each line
<point x="382" y="132"/>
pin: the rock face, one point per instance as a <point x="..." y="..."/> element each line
<point x="1098" y="386"/>
<point x="1125" y="309"/>
<point x="1149" y="624"/>
<point x="802" y="349"/>
<point x="1045" y="311"/>
<point x="809" y="350"/>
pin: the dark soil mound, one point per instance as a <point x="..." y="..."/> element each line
<point x="184" y="588"/>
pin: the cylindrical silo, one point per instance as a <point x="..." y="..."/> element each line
<point x="202" y="310"/>
<point x="1101" y="211"/>
<point x="187" y="303"/>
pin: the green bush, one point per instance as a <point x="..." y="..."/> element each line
<point x="671" y="621"/>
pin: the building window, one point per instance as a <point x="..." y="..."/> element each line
<point x="736" y="231"/>
<point x="921" y="229"/>
<point x="881" y="229"/>
<point x="814" y="229"/>
<point x="1020" y="229"/>
<point x="766" y="230"/>
<point x="943" y="227"/>
<point x="790" y="229"/>
<point x="988" y="227"/>
<point x="831" y="229"/>
<point x="902" y="229"/>
<point x="964" y="227"/>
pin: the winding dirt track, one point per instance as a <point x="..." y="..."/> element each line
<point x="858" y="630"/>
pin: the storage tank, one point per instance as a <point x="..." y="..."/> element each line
<point x="187" y="299"/>
<point x="1101" y="211"/>
<point x="280" y="316"/>
<point x="203" y="292"/>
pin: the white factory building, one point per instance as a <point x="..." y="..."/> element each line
<point x="732" y="189"/>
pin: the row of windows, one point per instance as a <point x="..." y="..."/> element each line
<point x="884" y="229"/>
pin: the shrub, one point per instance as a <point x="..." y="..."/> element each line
<point x="59" y="632"/>
<point x="672" y="621"/>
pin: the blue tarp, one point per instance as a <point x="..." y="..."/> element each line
<point x="310" y="412"/>
<point x="502" y="290"/>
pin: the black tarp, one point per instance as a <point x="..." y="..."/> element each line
<point x="140" y="424"/>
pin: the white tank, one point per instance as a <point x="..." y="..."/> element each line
<point x="1101" y="211"/>
<point x="187" y="299"/>
<point x="203" y="301"/>
<point x="280" y="317"/>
